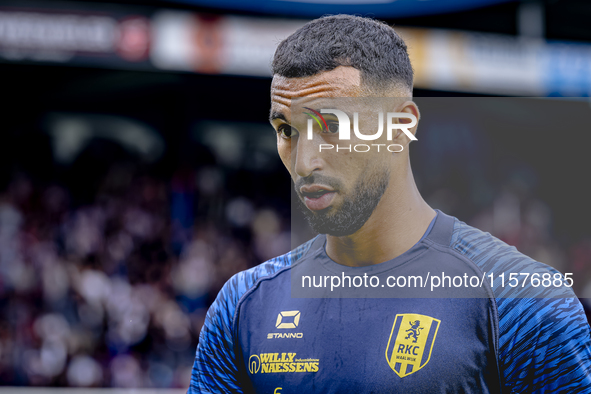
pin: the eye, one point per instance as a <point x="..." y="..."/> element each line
<point x="286" y="131"/>
<point x="333" y="127"/>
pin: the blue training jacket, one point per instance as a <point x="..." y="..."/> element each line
<point x="472" y="338"/>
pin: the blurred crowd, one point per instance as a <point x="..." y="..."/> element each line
<point x="113" y="293"/>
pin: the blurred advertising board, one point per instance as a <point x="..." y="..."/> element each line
<point x="498" y="64"/>
<point x="443" y="59"/>
<point x="75" y="34"/>
<point x="219" y="45"/>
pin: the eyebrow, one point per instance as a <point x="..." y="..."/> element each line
<point x="277" y="115"/>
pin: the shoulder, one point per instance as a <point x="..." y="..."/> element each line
<point x="239" y="284"/>
<point x="485" y="250"/>
<point x="544" y="340"/>
<point x="522" y="287"/>
<point x="215" y="367"/>
<point x="500" y="261"/>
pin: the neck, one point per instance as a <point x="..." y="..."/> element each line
<point x="397" y="224"/>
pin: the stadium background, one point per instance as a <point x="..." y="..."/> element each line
<point x="138" y="172"/>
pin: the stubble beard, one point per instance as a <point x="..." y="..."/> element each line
<point x="356" y="208"/>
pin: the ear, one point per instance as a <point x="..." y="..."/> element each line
<point x="408" y="107"/>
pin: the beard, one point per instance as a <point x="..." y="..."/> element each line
<point x="356" y="208"/>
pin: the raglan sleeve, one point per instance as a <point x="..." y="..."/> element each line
<point x="545" y="345"/>
<point x="215" y="368"/>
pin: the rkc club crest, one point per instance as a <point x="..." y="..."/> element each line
<point x="411" y="341"/>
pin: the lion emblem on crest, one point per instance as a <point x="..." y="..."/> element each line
<point x="414" y="331"/>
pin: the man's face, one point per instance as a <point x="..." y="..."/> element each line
<point x="338" y="190"/>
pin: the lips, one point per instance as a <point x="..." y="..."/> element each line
<point x="317" y="197"/>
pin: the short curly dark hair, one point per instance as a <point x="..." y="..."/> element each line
<point x="370" y="46"/>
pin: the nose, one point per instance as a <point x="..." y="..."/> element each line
<point x="307" y="155"/>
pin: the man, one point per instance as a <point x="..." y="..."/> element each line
<point x="262" y="336"/>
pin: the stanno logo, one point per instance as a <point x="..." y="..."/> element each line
<point x="344" y="129"/>
<point x="288" y="319"/>
<point x="411" y="342"/>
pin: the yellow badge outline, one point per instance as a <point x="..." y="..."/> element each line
<point x="420" y="317"/>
